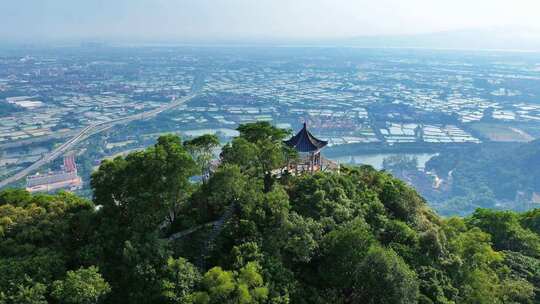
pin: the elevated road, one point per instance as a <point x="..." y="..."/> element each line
<point x="89" y="131"/>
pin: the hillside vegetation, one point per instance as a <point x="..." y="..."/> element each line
<point x="244" y="235"/>
<point x="485" y="175"/>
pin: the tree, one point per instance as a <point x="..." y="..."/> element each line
<point x="383" y="277"/>
<point x="140" y="270"/>
<point x="303" y="238"/>
<point x="258" y="150"/>
<point x="14" y="197"/>
<point x="517" y="291"/>
<point x="506" y="231"/>
<point x="245" y="253"/>
<point x="480" y="287"/>
<point x="436" y="286"/>
<point x="474" y="249"/>
<point x="201" y="148"/>
<point x="402" y="201"/>
<point x="138" y="194"/>
<point x="242" y="287"/>
<point x="475" y="276"/>
<point x="226" y="187"/>
<point x="147" y="186"/>
<point x="41" y="236"/>
<point x="525" y="269"/>
<point x="28" y="292"/>
<point x="343" y="249"/>
<point x="531" y="220"/>
<point x="242" y="153"/>
<point x="260" y="131"/>
<point x="82" y="286"/>
<point x="180" y="279"/>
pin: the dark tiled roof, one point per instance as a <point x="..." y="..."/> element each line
<point x="304" y="141"/>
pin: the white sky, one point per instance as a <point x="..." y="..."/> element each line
<point x="254" y="19"/>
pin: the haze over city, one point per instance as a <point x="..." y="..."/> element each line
<point x="245" y="20"/>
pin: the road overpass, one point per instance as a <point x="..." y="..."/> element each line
<point x="89" y="131"/>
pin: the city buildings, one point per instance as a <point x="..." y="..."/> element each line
<point x="66" y="178"/>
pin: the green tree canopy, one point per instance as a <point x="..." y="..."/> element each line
<point x="242" y="287"/>
<point x="383" y="277"/>
<point x="201" y="148"/>
<point x="82" y="286"/>
<point x="258" y="150"/>
<point x="147" y="186"/>
<point x="249" y="234"/>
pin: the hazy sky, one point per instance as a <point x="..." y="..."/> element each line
<point x="183" y="20"/>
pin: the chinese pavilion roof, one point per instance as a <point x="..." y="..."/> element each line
<point x="304" y="141"/>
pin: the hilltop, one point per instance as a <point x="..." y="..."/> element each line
<point x="246" y="234"/>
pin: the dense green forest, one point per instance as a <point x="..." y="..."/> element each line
<point x="246" y="232"/>
<point x="483" y="175"/>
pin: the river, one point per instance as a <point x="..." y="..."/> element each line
<point x="376" y="160"/>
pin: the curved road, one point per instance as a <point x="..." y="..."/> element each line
<point x="88" y="131"/>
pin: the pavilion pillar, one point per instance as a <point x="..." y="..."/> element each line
<point x="312" y="161"/>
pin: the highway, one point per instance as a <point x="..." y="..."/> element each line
<point x="89" y="131"/>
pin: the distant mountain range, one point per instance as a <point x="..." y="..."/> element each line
<point x="481" y="39"/>
<point x="503" y="38"/>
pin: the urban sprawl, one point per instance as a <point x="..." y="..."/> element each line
<point x="346" y="96"/>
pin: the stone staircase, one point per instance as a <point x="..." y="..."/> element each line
<point x="217" y="227"/>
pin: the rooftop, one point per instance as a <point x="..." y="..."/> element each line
<point x="304" y="141"/>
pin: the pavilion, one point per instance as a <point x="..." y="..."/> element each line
<point x="309" y="149"/>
